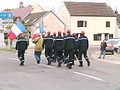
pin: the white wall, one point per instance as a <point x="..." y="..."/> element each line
<point x="52" y="23"/>
<point x="95" y="25"/>
<point x="64" y="15"/>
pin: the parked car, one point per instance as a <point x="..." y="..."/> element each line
<point x="115" y="42"/>
<point x="110" y="48"/>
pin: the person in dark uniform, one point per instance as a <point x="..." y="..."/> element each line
<point x="48" y="45"/>
<point x="64" y="54"/>
<point x="53" y="51"/>
<point x="69" y="48"/>
<point x="21" y="46"/>
<point x="76" y="46"/>
<point x="83" y="47"/>
<point x="58" y="47"/>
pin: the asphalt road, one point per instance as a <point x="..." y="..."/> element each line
<point x="99" y="76"/>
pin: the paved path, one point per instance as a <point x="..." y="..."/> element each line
<point x="115" y="59"/>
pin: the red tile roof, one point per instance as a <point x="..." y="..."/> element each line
<point x="89" y="9"/>
<point x="22" y="12"/>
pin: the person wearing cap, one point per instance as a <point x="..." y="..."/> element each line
<point x="54" y="34"/>
<point x="76" y="46"/>
<point x="83" y="47"/>
<point x="53" y="51"/>
<point x="21" y="47"/>
<point x="48" y="45"/>
<point x="58" y="47"/>
<point x="38" y="48"/>
<point x="69" y="48"/>
<point x="64" y="54"/>
<point x="64" y="34"/>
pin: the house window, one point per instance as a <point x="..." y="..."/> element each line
<point x="106" y="36"/>
<point x="110" y="36"/>
<point x="97" y="37"/>
<point x="81" y="23"/>
<point x="107" y="23"/>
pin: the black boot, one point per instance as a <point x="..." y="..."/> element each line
<point x="22" y="63"/>
<point x="88" y="62"/>
<point x="69" y="66"/>
<point x="73" y="62"/>
<point x="49" y="62"/>
<point x="38" y="61"/>
<point x="81" y="64"/>
<point x="59" y="64"/>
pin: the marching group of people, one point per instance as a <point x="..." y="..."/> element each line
<point x="61" y="48"/>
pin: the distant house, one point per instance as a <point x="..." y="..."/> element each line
<point x="21" y="12"/>
<point x="98" y="20"/>
<point x="37" y="8"/>
<point x="47" y="18"/>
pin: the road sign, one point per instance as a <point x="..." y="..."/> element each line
<point x="6" y="15"/>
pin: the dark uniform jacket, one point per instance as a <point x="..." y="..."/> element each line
<point x="83" y="43"/>
<point x="103" y="46"/>
<point x="58" y="43"/>
<point x="76" y="43"/>
<point x="69" y="42"/>
<point x="48" y="42"/>
<point x="21" y="44"/>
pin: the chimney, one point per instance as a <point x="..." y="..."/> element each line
<point x="21" y="5"/>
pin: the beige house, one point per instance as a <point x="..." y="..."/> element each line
<point x="47" y="18"/>
<point x="97" y="20"/>
<point x="37" y="8"/>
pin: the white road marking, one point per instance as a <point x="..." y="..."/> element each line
<point x="88" y="76"/>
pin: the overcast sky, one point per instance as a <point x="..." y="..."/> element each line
<point x="52" y="4"/>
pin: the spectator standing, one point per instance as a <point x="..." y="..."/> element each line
<point x="103" y="46"/>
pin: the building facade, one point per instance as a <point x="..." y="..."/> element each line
<point x="97" y="20"/>
<point x="47" y="19"/>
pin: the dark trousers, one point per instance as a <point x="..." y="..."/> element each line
<point x="84" y="53"/>
<point x="76" y="54"/>
<point x="69" y="54"/>
<point x="58" y="55"/>
<point x="21" y="54"/>
<point x="48" y="53"/>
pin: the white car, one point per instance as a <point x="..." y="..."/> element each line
<point x="115" y="42"/>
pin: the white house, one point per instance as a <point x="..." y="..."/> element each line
<point x="97" y="20"/>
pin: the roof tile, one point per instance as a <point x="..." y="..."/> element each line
<point x="89" y="9"/>
<point x="22" y="12"/>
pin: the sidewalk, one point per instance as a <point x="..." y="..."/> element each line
<point x="115" y="59"/>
